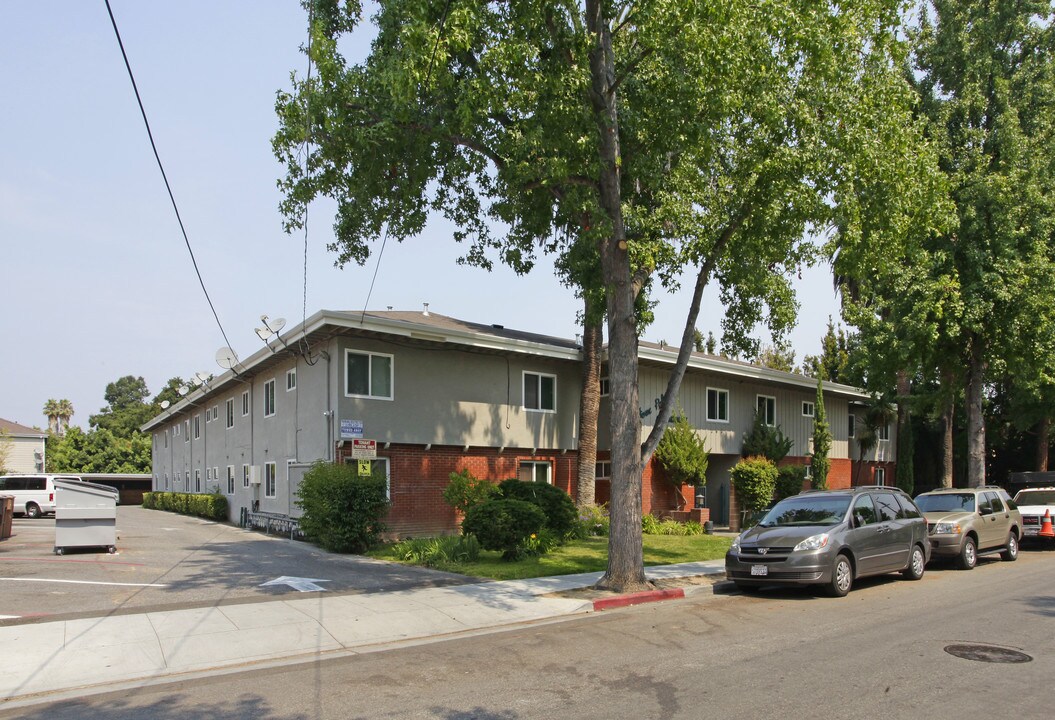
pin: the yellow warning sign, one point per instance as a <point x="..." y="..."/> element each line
<point x="364" y="467"/>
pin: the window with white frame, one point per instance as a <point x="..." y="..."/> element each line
<point x="717" y="405"/>
<point x="540" y="392"/>
<point x="606" y="387"/>
<point x="603" y="469"/>
<point x="291" y="379"/>
<point x="535" y="471"/>
<point x="245" y="403"/>
<point x="377" y="465"/>
<point x="269" y="398"/>
<point x="809" y="471"/>
<point x="851" y="426"/>
<point x="807" y="409"/>
<point x="767" y="408"/>
<point x="186" y="431"/>
<point x="368" y="375"/>
<point x="208" y="474"/>
<point x="215" y="412"/>
<point x="230" y="479"/>
<point x="245" y="476"/>
<point x="880" y="476"/>
<point x="175" y="430"/>
<point x="229" y="411"/>
<point x="166" y="481"/>
<point x="216" y="474"/>
<point x="197" y="426"/>
<point x="197" y="480"/>
<point x="270" y="474"/>
<point x="883" y="431"/>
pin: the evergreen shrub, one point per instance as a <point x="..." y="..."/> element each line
<point x="212" y="506"/>
<point x="343" y="512"/>
<point x="504" y="525"/>
<point x="557" y="505"/>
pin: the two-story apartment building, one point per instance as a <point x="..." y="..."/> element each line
<point x="432" y="395"/>
<point x="24" y="446"/>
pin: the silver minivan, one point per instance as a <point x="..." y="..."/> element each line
<point x="34" y="494"/>
<point x="830" y="538"/>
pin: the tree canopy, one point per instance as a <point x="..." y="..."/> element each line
<point x="724" y="137"/>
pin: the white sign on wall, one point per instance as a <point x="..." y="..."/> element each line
<point x="351" y="429"/>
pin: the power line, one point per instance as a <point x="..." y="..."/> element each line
<point x="164" y="176"/>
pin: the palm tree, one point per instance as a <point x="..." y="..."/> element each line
<point x="59" y="413"/>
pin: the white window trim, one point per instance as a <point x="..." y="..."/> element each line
<point x="245" y="403"/>
<point x="245" y="476"/>
<point x="767" y="398"/>
<point x="228" y="410"/>
<point x="707" y="404"/>
<point x="274" y="402"/>
<point x="535" y="463"/>
<point x="851" y="426"/>
<point x="274" y="480"/>
<point x="606" y="386"/>
<point x="197" y="427"/>
<point x="291" y="375"/>
<point x="388" y="472"/>
<point x="879" y="476"/>
<point x="883" y="432"/>
<point x="812" y="408"/>
<point x="197" y="480"/>
<point x="230" y="480"/>
<point x="602" y="464"/>
<point x="370" y="377"/>
<point x="539" y="375"/>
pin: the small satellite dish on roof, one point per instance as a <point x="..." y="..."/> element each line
<point x="183" y="389"/>
<point x="201" y="378"/>
<point x="165" y="404"/>
<point x="277" y="324"/>
<point x="226" y="358"/>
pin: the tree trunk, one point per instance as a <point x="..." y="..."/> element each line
<point x="905" y="446"/>
<point x="975" y="419"/>
<point x="948" y="418"/>
<point x="626" y="569"/>
<point x="1043" y="431"/>
<point x="589" y="406"/>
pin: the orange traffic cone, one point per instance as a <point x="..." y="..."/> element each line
<point x="1045" y="527"/>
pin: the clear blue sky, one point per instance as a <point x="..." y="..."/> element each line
<point x="95" y="278"/>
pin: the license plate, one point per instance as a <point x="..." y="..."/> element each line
<point x="759" y="569"/>
<point x="1029" y="531"/>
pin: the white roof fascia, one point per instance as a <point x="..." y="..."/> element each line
<point x="752" y="372"/>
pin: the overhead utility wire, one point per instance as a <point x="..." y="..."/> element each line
<point x="161" y="167"/>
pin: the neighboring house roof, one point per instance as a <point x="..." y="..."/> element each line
<point x="428" y="328"/>
<point x="15" y="430"/>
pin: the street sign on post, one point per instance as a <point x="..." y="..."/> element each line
<point x="364" y="449"/>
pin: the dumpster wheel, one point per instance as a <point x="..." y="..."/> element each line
<point x="59" y="551"/>
<point x="111" y="549"/>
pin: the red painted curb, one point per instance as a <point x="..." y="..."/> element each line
<point x="638" y="598"/>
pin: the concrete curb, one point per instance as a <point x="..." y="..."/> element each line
<point x="638" y="598"/>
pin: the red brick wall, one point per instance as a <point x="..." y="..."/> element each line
<point x="417" y="478"/>
<point x="659" y="496"/>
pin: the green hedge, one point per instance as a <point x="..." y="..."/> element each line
<point x="212" y="506"/>
<point x="343" y="512"/>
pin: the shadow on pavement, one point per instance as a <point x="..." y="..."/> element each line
<point x="169" y="707"/>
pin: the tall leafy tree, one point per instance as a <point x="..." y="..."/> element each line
<point x="822" y="441"/>
<point x="984" y="71"/>
<point x="709" y="136"/>
<point x="127" y="408"/>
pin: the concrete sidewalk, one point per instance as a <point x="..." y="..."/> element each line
<point x="97" y="654"/>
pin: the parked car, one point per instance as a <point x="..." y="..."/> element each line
<point x="963" y="523"/>
<point x="831" y="538"/>
<point x="1033" y="503"/>
<point x="34" y="494"/>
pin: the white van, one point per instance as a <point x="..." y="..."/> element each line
<point x="34" y="494"/>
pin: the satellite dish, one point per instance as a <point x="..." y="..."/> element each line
<point x="183" y="389"/>
<point x="277" y="324"/>
<point x="165" y="404"/>
<point x="226" y="358"/>
<point x="201" y="377"/>
<point x="263" y="333"/>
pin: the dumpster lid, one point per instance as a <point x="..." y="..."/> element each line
<point x="83" y="485"/>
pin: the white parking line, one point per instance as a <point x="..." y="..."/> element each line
<point x="86" y="582"/>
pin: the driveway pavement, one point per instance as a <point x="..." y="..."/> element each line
<point x="165" y="560"/>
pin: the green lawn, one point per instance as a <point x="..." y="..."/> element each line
<point x="580" y="556"/>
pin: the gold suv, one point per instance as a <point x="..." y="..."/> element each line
<point x="963" y="523"/>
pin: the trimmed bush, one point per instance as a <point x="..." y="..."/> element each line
<point x="754" y="479"/>
<point x="504" y="525"/>
<point x="790" y="479"/>
<point x="343" y="512"/>
<point x="463" y="491"/>
<point x="557" y="505"/>
<point x="211" y="507"/>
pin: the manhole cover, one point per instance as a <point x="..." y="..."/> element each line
<point x="987" y="653"/>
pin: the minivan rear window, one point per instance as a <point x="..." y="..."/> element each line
<point x="825" y="511"/>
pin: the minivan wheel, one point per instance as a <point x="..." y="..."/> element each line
<point x="968" y="557"/>
<point x="842" y="577"/>
<point x="32" y="510"/>
<point x="916" y="565"/>
<point x="1010" y="553"/>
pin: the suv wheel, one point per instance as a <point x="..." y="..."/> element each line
<point x="916" y="564"/>
<point x="32" y="510"/>
<point x="968" y="555"/>
<point x="1010" y="553"/>
<point x="842" y="577"/>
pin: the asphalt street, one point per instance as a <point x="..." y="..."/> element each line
<point x="885" y="651"/>
<point x="165" y="560"/>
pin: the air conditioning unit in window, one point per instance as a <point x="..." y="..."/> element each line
<point x="254" y="475"/>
